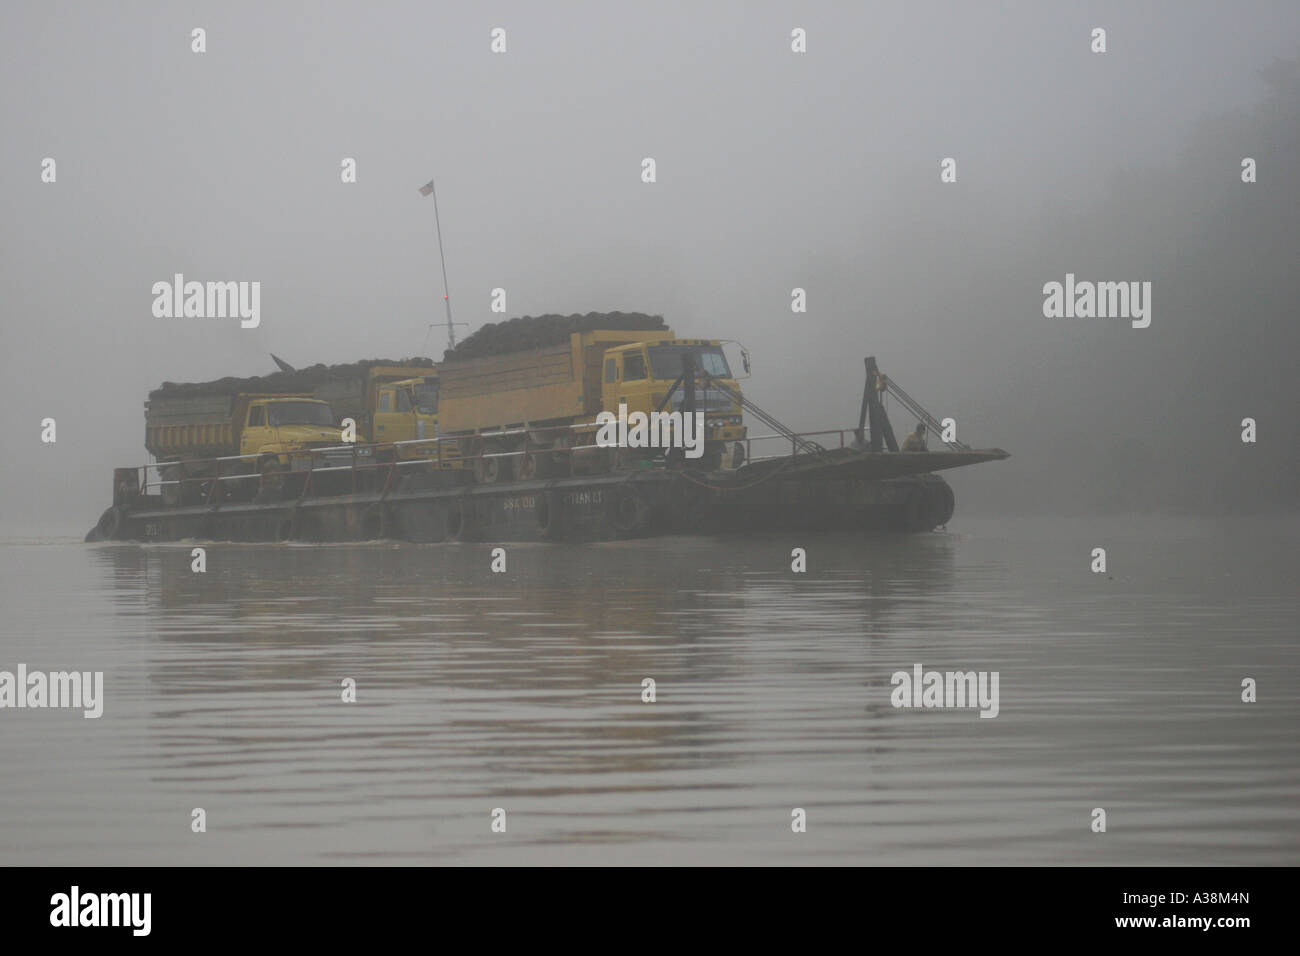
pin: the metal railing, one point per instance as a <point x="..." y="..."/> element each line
<point x="212" y="475"/>
<point x="363" y="458"/>
<point x="796" y="440"/>
<point x="920" y="414"/>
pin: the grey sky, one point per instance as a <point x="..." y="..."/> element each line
<point x="775" y="170"/>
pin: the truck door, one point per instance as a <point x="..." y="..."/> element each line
<point x="426" y="409"/>
<point x="395" y="416"/>
<point x="403" y="429"/>
<point x="636" y="392"/>
<point x="253" y="434"/>
<point x="609" y="394"/>
<point x="384" y="417"/>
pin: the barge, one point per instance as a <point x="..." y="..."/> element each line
<point x="445" y="489"/>
<point x="849" y="492"/>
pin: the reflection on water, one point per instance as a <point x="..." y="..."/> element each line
<point x="522" y="690"/>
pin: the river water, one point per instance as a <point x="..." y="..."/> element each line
<point x="522" y="690"/>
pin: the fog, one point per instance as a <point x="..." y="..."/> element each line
<point x="775" y="170"/>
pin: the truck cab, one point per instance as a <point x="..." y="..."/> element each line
<point x="274" y="427"/>
<point x="642" y="375"/>
<point x="407" y="410"/>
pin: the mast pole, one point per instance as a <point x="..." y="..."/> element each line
<point x="446" y="293"/>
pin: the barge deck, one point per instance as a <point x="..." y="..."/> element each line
<point x="843" y="489"/>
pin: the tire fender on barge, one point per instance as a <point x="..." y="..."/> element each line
<point x="109" y="525"/>
<point x="459" y="520"/>
<point x="374" y="524"/>
<point x="629" y="510"/>
<point x="549" y="514"/>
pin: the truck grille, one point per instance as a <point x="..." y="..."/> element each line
<point x="335" y="456"/>
<point x="706" y="400"/>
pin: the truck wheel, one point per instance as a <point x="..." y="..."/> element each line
<point x="556" y="461"/>
<point x="189" y="491"/>
<point x="491" y="471"/>
<point x="273" y="481"/>
<point x="418" y="479"/>
<point x="171" y="494"/>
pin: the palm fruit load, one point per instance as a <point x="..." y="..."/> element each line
<point x="299" y="380"/>
<point x="540" y="331"/>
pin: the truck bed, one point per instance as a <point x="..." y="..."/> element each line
<point x="536" y="386"/>
<point x="189" y="410"/>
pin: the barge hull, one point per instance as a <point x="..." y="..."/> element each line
<point x="609" y="507"/>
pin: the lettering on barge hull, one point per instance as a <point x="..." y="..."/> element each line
<point x="575" y="498"/>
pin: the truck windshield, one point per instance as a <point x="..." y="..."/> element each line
<point x="426" y="398"/>
<point x="666" y="360"/>
<point x="299" y="413"/>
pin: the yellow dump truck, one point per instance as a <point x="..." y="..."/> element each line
<point x="520" y="414"/>
<point x="185" y="433"/>
<point x="388" y="403"/>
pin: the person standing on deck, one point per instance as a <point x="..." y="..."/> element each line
<point x="916" y="440"/>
